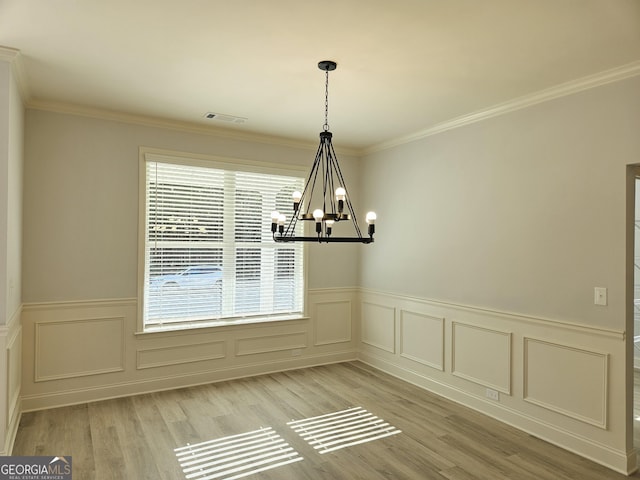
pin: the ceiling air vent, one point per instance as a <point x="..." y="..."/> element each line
<point x="221" y="117"/>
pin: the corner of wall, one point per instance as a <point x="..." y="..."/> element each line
<point x="10" y="381"/>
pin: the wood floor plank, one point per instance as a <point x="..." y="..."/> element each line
<point x="133" y="441"/>
<point x="135" y="438"/>
<point x="159" y="437"/>
<point x="108" y="456"/>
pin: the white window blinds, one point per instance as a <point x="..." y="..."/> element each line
<point x="209" y="252"/>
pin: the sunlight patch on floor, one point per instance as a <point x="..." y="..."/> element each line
<point x="333" y="431"/>
<point x="236" y="456"/>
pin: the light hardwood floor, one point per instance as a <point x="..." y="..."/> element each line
<point x="135" y="437"/>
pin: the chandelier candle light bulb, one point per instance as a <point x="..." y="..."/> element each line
<point x="318" y="215"/>
<point x="274" y="221"/>
<point x="297" y="196"/>
<point x="341" y="196"/>
<point x="328" y="227"/>
<point x="371" y="221"/>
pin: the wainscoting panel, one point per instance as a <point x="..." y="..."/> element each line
<point x="14" y="372"/>
<point x="179" y="354"/>
<point x="482" y="356"/>
<point x="74" y="352"/>
<point x="79" y="347"/>
<point x="422" y="338"/>
<point x="379" y="326"/>
<point x="567" y="380"/>
<point x="271" y="343"/>
<point x="486" y="347"/>
<point x="332" y="322"/>
<point x="563" y="382"/>
<point x="10" y="381"/>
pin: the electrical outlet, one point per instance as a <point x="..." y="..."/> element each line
<point x="492" y="394"/>
<point x="296" y="352"/>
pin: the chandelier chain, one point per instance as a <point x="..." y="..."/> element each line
<point x="326" y="102"/>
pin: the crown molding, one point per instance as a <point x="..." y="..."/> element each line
<point x="8" y="54"/>
<point x="616" y="74"/>
<point x="186" y="127"/>
<point x="568" y="88"/>
<point x="14" y="58"/>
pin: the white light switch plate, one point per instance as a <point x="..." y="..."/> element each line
<point x="600" y="296"/>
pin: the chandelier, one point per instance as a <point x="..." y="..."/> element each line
<point x="329" y="204"/>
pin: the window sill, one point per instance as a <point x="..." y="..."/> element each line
<point x="202" y="325"/>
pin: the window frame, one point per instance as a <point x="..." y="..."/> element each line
<point x="149" y="154"/>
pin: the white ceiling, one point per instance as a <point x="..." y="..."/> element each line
<point x="403" y="65"/>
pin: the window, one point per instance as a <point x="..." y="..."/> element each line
<point x="209" y="254"/>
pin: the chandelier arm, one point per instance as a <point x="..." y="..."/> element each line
<point x="291" y="226"/>
<point x="354" y="218"/>
<point x="332" y="166"/>
<point x="311" y="180"/>
<point x="313" y="173"/>
<point x="329" y="194"/>
<point x="325" y="178"/>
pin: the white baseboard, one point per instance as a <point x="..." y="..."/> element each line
<point x="137" y="387"/>
<point x="12" y="430"/>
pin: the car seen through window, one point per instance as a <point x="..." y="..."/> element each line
<point x="198" y="276"/>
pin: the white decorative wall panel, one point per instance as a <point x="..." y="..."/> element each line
<point x="89" y="350"/>
<point x="77" y="348"/>
<point x="568" y="380"/>
<point x="581" y="389"/>
<point x="482" y="355"/>
<point x="178" y="354"/>
<point x="332" y="322"/>
<point x="422" y="338"/>
<point x="379" y="326"/>
<point x="14" y="372"/>
<point x="271" y="343"/>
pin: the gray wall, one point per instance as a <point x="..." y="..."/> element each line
<point x="522" y="213"/>
<point x="81" y="204"/>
